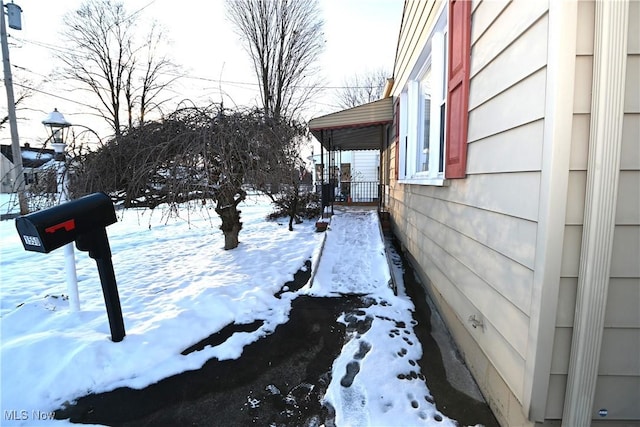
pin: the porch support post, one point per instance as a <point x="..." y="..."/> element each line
<point x="607" y="110"/>
<point x="331" y="155"/>
<point x="321" y="158"/>
<point x="339" y="167"/>
<point x="322" y="201"/>
<point x="383" y="133"/>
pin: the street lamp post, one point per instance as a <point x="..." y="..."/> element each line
<point x="57" y="125"/>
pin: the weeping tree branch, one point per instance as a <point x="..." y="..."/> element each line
<point x="209" y="154"/>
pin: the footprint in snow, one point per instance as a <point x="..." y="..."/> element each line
<point x="362" y="350"/>
<point x="353" y="368"/>
<point x="354" y="324"/>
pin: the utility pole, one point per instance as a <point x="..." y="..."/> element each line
<point x="11" y="105"/>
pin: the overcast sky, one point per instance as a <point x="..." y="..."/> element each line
<point x="360" y="35"/>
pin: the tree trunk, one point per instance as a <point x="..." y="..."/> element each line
<point x="231" y="238"/>
<point x="231" y="225"/>
<point x="293" y="210"/>
<point x="227" y="209"/>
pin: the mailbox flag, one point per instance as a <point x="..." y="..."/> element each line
<point x="68" y="225"/>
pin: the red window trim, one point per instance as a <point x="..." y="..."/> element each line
<point x="459" y="64"/>
<point x="396" y="122"/>
<point x="396" y="118"/>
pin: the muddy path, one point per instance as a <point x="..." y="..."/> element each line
<point x="280" y="379"/>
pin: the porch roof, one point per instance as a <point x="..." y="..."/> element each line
<point x="357" y="128"/>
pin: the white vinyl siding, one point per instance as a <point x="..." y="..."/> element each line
<point x="365" y="165"/>
<point x="475" y="238"/>
<point x="474" y="241"/>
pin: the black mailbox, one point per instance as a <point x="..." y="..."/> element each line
<point x="84" y="221"/>
<point x="49" y="229"/>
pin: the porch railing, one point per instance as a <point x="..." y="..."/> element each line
<point x="350" y="192"/>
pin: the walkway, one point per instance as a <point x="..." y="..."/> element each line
<point x="353" y="259"/>
<point x="391" y="370"/>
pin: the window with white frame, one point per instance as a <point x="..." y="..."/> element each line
<point x="423" y="148"/>
<point x="423" y="99"/>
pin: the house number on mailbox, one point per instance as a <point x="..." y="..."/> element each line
<point x="31" y="240"/>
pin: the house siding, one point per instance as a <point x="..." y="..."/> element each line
<point x="618" y="385"/>
<point x="8" y="175"/>
<point x="364" y="165"/>
<point x="413" y="35"/>
<point x="474" y="240"/>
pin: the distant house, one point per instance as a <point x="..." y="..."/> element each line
<point x="33" y="160"/>
<point x="355" y="174"/>
<point x="512" y="175"/>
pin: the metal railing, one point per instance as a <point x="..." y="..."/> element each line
<point x="350" y="192"/>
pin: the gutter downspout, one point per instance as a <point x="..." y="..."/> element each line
<point x="384" y="144"/>
<point x="603" y="171"/>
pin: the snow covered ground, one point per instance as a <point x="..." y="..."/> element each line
<point x="177" y="285"/>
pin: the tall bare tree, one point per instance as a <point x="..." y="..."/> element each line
<point x="156" y="72"/>
<point x="362" y="88"/>
<point x="283" y="39"/>
<point x="104" y="55"/>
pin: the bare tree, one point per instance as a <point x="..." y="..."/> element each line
<point x="25" y="93"/>
<point x="283" y="39"/>
<point x="105" y="57"/>
<point x="206" y="154"/>
<point x="282" y="169"/>
<point x="362" y="88"/>
<point x="156" y="71"/>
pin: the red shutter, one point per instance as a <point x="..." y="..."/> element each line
<point x="396" y="120"/>
<point x="458" y="88"/>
